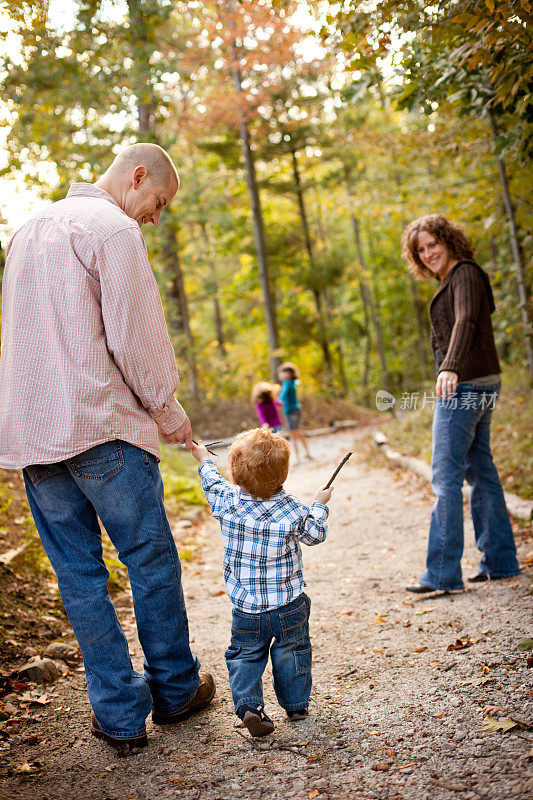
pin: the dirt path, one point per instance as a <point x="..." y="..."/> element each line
<point x="395" y="714"/>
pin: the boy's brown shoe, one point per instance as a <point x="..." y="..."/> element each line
<point x="124" y="746"/>
<point x="204" y="694"/>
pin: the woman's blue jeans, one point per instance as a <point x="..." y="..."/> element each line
<point x="284" y="632"/>
<point x="461" y="449"/>
<point x="121" y="484"/>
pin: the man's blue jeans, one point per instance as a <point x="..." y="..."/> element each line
<point x="284" y="632"/>
<point x="121" y="484"/>
<point x="461" y="449"/>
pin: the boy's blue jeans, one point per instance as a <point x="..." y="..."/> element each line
<point x="284" y="632"/>
<point x="121" y="484"/>
<point x="461" y="449"/>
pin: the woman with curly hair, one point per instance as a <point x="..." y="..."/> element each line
<point x="468" y="383"/>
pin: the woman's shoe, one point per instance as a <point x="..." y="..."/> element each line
<point x="419" y="588"/>
<point x="481" y="577"/>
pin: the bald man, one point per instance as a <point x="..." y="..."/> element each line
<point x="87" y="381"/>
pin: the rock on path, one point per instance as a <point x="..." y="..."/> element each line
<point x="395" y="714"/>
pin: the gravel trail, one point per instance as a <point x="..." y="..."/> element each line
<point x="395" y="714"/>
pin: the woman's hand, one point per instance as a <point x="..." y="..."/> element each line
<point x="446" y="384"/>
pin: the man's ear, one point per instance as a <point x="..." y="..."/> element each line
<point x="139" y="174"/>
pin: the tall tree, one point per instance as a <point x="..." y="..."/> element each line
<point x="475" y="54"/>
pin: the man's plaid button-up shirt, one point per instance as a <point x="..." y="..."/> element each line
<point x="262" y="557"/>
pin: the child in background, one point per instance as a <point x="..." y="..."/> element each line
<point x="262" y="528"/>
<point x="266" y="405"/>
<point x="288" y="375"/>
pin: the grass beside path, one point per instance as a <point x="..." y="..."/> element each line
<point x="511" y="433"/>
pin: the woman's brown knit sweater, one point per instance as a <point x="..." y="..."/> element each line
<point x="461" y="326"/>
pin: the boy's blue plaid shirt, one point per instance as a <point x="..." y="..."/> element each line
<point x="262" y="558"/>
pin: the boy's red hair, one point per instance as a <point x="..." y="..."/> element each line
<point x="259" y="462"/>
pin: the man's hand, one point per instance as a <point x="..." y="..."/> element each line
<point x="199" y="451"/>
<point x="323" y="495"/>
<point x="446" y="384"/>
<point x="183" y="435"/>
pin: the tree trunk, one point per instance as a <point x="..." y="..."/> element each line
<point x="515" y="248"/>
<point x="322" y="330"/>
<point x="173" y="265"/>
<point x="257" y="215"/>
<point x="342" y="371"/>
<point x="368" y="343"/>
<point x="217" y="313"/>
<point x="423" y="332"/>
<point x="147" y="132"/>
<point x="421" y="322"/>
<point x="367" y="300"/>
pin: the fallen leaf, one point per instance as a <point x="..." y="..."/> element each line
<point x="35" y="699"/>
<point x="525" y="645"/>
<point x="220" y="593"/>
<point x="25" y="768"/>
<point x="461" y="644"/>
<point x="407" y="624"/>
<point x="420" y="649"/>
<point x="175" y="779"/>
<point x="314" y="758"/>
<point x="424" y="611"/>
<point x="411" y="764"/>
<point x="477" y="681"/>
<point x="440" y="714"/>
<point x="380" y="767"/>
<point x="502" y="725"/>
<point x="377" y="651"/>
<point x="313" y="793"/>
<point x="435" y="663"/>
<point x="380" y="620"/>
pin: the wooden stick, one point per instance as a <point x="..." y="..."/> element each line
<point x="341" y="465"/>
<point x="207" y="448"/>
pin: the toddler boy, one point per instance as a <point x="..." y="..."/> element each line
<point x="262" y="527"/>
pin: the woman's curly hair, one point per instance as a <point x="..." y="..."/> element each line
<point x="445" y="232"/>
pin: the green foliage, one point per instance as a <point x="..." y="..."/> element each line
<point x="180" y="476"/>
<point x="179" y="488"/>
<point x="164" y="72"/>
<point x="34" y="556"/>
<point x="118" y="575"/>
<point x="6" y="499"/>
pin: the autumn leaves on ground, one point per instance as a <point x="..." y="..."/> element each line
<point x="412" y="698"/>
